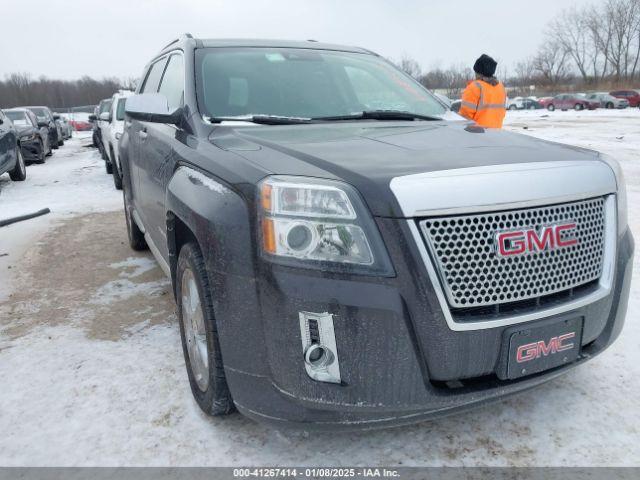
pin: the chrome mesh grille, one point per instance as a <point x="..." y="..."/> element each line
<point x="473" y="275"/>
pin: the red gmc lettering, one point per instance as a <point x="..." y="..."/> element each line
<point x="518" y="242"/>
<point x="531" y="351"/>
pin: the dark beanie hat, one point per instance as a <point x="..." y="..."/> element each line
<point x="485" y="66"/>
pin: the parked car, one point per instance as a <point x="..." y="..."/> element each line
<point x="523" y="103"/>
<point x="33" y="139"/>
<point x="98" y="128"/>
<point x="81" y="125"/>
<point x="345" y="254"/>
<point x="608" y="101"/>
<point x="65" y="127"/>
<point x="45" y="116"/>
<point x="545" y="101"/>
<point x="112" y="132"/>
<point x="11" y="159"/>
<point x="632" y="96"/>
<point x="455" y="105"/>
<point x="574" y="101"/>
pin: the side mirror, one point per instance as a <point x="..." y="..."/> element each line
<point x="56" y="117"/>
<point x="105" y="117"/>
<point x="152" y="107"/>
<point x="92" y="118"/>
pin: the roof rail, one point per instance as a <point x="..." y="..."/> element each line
<point x="181" y="37"/>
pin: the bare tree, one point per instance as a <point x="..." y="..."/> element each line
<point x="551" y="62"/>
<point x="570" y="32"/>
<point x="409" y="66"/>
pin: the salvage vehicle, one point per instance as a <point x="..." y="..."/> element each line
<point x="11" y="159"/>
<point x="346" y="253"/>
<point x="608" y="101"/>
<point x="566" y="101"/>
<point x="32" y="140"/>
<point x="45" y="116"/>
<point x="99" y="124"/>
<point x="522" y="103"/>
<point x="112" y="132"/>
<point x="631" y="96"/>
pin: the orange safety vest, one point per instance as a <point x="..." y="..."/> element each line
<point x="484" y="103"/>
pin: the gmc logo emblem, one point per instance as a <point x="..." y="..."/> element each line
<point x="534" y="350"/>
<point x="520" y="242"/>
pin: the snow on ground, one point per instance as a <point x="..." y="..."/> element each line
<point x="70" y="182"/>
<point x="71" y="397"/>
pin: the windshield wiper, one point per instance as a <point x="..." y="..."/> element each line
<point x="262" y="119"/>
<point x="380" y="115"/>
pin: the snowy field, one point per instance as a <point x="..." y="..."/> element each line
<point x="92" y="369"/>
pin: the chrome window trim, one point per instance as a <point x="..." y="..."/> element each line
<point x="605" y="284"/>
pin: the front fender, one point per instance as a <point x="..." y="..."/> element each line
<point x="221" y="220"/>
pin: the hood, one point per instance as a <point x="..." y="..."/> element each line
<point x="24" y="129"/>
<point x="368" y="155"/>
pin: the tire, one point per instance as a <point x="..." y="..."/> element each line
<point x="551" y="107"/>
<point x="117" y="176"/>
<point x="578" y="106"/>
<point x="610" y="105"/>
<point x="135" y="235"/>
<point x="199" y="334"/>
<point x="42" y="154"/>
<point x="512" y="107"/>
<point x="108" y="167"/>
<point x="19" y="172"/>
<point x="61" y="143"/>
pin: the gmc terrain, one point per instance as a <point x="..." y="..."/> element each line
<point x="346" y="252"/>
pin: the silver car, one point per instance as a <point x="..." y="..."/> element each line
<point x="608" y="101"/>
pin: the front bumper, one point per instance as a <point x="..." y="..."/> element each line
<point x="399" y="361"/>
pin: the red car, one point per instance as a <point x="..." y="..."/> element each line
<point x="545" y="101"/>
<point x="566" y="101"/>
<point x="633" y="96"/>
<point x="80" y="126"/>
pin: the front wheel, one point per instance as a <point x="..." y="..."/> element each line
<point x="199" y="334"/>
<point x="19" y="172"/>
<point x="551" y="107"/>
<point x="578" y="107"/>
<point x="41" y="153"/>
<point x="117" y="176"/>
<point x="512" y="107"/>
<point x="135" y="235"/>
<point x="610" y="105"/>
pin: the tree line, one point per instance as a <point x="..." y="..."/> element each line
<point x="589" y="47"/>
<point x="21" y="89"/>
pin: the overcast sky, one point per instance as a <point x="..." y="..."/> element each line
<point x="63" y="39"/>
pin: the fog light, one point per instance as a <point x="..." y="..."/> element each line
<point x="319" y="347"/>
<point x="318" y="356"/>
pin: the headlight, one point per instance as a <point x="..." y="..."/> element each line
<point x="621" y="193"/>
<point x="321" y="224"/>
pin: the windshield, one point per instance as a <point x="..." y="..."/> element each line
<point x="303" y="83"/>
<point x="120" y="109"/>
<point x="105" y="105"/>
<point x="41" y="113"/>
<point x="19" y="119"/>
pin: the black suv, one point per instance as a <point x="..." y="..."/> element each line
<point x="346" y="252"/>
<point x="11" y="159"/>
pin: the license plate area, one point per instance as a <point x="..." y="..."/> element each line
<point x="540" y="347"/>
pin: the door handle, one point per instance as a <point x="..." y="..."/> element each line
<point x="143" y="134"/>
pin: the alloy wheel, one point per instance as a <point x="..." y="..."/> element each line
<point x="194" y="330"/>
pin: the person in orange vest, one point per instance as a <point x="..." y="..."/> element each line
<point x="484" y="99"/>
